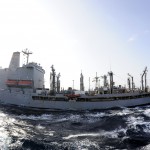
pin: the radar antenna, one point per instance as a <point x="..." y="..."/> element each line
<point x="27" y="53"/>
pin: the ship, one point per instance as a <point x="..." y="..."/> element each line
<point x="23" y="86"/>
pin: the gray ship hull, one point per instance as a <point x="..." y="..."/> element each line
<point x="24" y="86"/>
<point x="26" y="100"/>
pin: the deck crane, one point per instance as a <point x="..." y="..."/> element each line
<point x="111" y="81"/>
<point x="52" y="80"/>
<point x="105" y="83"/>
<point x="58" y="83"/>
<point x="129" y="83"/>
<point x="142" y="82"/>
<point x="96" y="80"/>
<point x="132" y="81"/>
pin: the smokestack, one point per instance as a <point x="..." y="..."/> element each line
<point x="15" y="61"/>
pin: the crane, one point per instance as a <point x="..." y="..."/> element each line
<point x="132" y="81"/>
<point x="111" y="81"/>
<point x="96" y="81"/>
<point x="144" y="73"/>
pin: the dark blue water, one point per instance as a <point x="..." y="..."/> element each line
<point x="120" y="128"/>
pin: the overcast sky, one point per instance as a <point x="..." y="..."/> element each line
<point x="74" y="35"/>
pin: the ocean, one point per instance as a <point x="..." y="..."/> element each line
<point x="118" y="128"/>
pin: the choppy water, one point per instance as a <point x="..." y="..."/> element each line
<point x="120" y="128"/>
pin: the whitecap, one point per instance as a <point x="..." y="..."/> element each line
<point x="69" y="118"/>
<point x="39" y="127"/>
<point x="49" y="133"/>
<point x="33" y="117"/>
<point x="102" y="133"/>
<point x="97" y="115"/>
<point x="5" y="139"/>
<point x="60" y="120"/>
<point x="147" y="147"/>
<point x="74" y="118"/>
<point x="124" y="112"/>
<point x="113" y="134"/>
<point x="147" y="112"/>
<point x="81" y="135"/>
<point x="135" y="120"/>
<point x="84" y="144"/>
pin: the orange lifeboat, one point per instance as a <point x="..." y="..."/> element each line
<point x="11" y="82"/>
<point x="24" y="83"/>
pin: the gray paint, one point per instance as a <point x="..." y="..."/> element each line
<point x="3" y="77"/>
<point x="20" y="99"/>
<point x="15" y="61"/>
<point x="32" y="71"/>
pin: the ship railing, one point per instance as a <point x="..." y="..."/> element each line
<point x="91" y="99"/>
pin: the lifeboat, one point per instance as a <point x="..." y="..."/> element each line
<point x="24" y="83"/>
<point x="11" y="82"/>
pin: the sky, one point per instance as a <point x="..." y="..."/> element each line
<point x="79" y="35"/>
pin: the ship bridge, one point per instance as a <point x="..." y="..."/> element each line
<point x="34" y="65"/>
<point x="30" y="74"/>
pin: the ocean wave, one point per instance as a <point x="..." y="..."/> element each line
<point x="122" y="128"/>
<point x="34" y="117"/>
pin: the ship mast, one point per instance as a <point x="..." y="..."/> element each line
<point x="89" y="85"/>
<point x="145" y="79"/>
<point x="52" y="81"/>
<point x="105" y="80"/>
<point x="96" y="81"/>
<point x="81" y="82"/>
<point x="111" y="81"/>
<point x="144" y="73"/>
<point x="129" y="83"/>
<point x="132" y="82"/>
<point x="27" y="53"/>
<point x="58" y="83"/>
